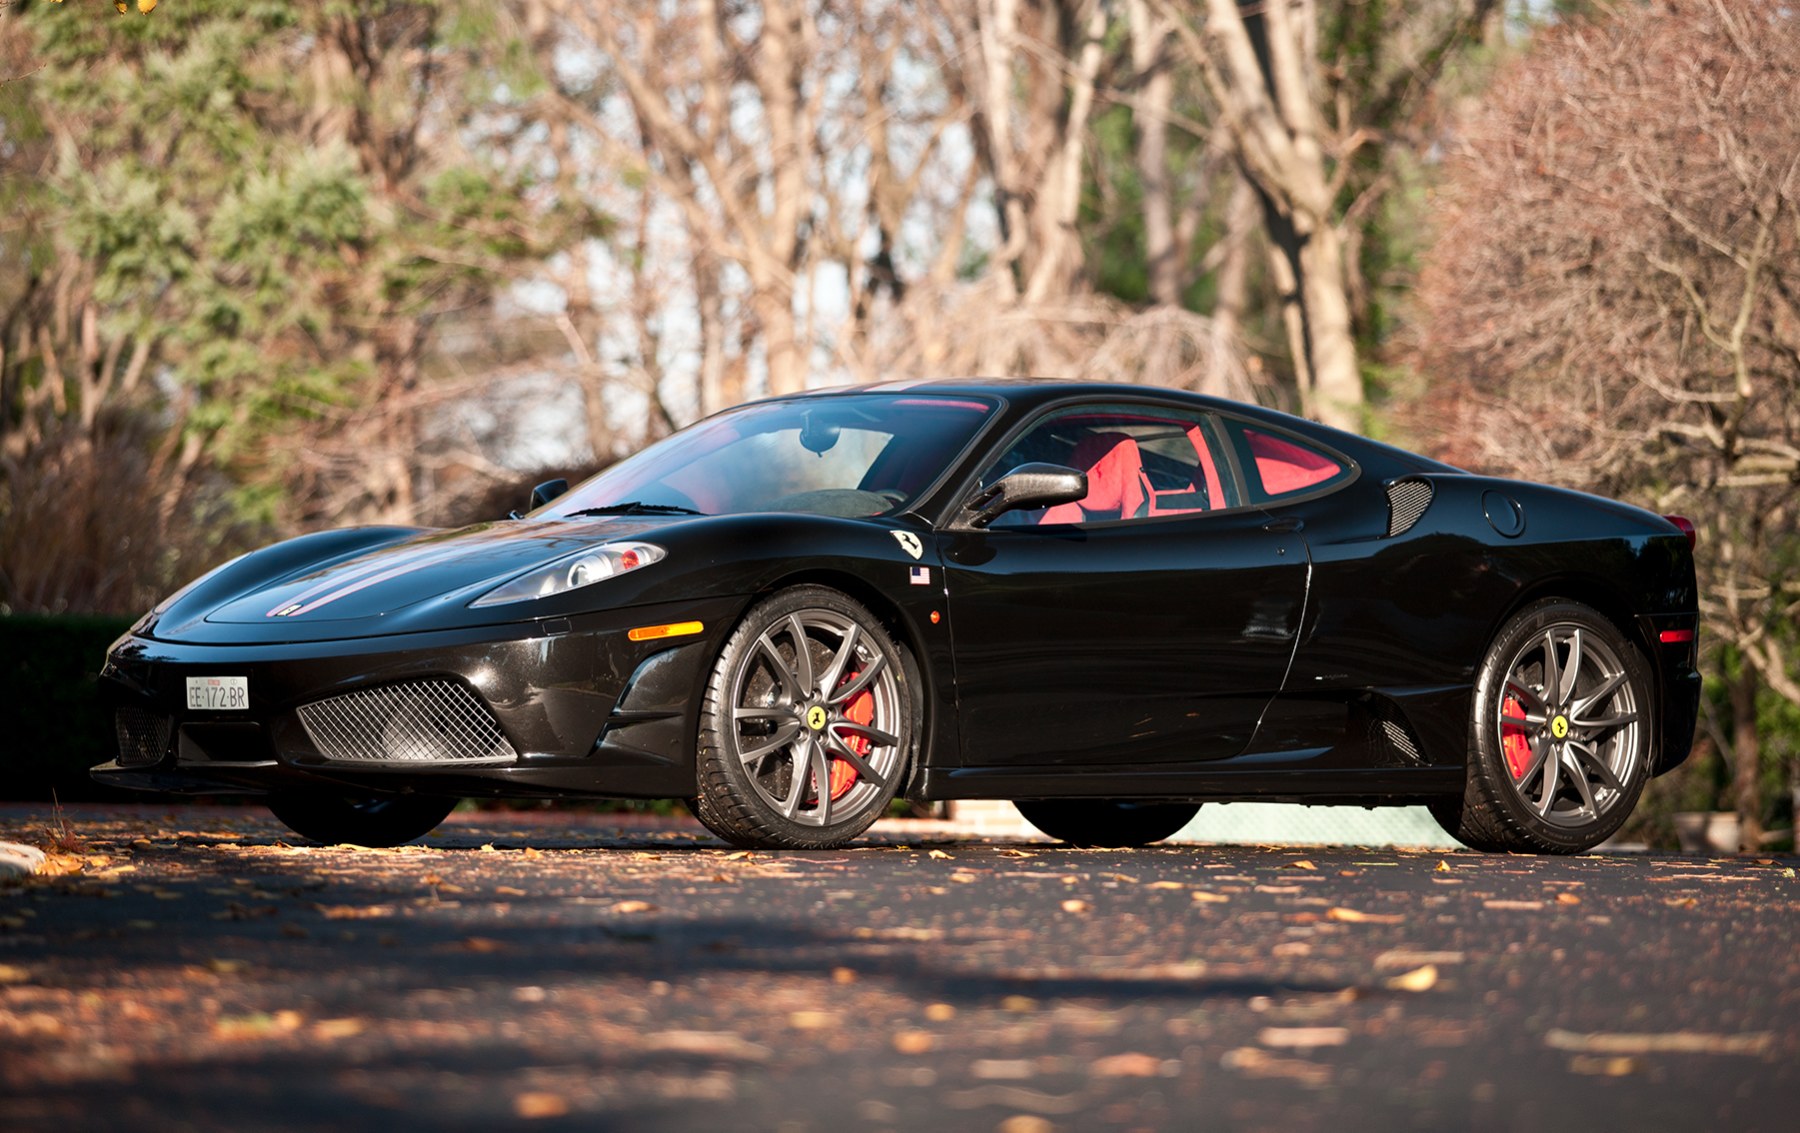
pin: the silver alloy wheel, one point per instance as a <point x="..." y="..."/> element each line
<point x="1569" y="713"/>
<point x="790" y="722"/>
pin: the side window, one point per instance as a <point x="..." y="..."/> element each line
<point x="1141" y="461"/>
<point x="1277" y="465"/>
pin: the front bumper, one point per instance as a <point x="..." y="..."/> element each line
<point x="580" y="709"/>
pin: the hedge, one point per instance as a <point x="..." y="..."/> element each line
<point x="58" y="730"/>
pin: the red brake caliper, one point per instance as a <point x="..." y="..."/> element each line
<point x="860" y="710"/>
<point x="1515" y="741"/>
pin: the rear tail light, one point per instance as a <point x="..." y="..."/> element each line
<point x="1686" y="527"/>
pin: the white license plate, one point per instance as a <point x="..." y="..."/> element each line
<point x="218" y="694"/>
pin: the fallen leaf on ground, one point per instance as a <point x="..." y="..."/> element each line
<point x="963" y="878"/>
<point x="1681" y="902"/>
<point x="914" y="1042"/>
<point x="1567" y="899"/>
<point x="1301" y="863"/>
<point x="1074" y="906"/>
<point x="1410" y="958"/>
<point x="537" y="1103"/>
<point x="633" y="907"/>
<point x="1165" y="885"/>
<point x="715" y="1044"/>
<point x="936" y="854"/>
<point x="1442" y="866"/>
<point x="1603" y="1067"/>
<point x="1131" y="1064"/>
<point x="1665" y="1042"/>
<point x="1253" y="1062"/>
<point x="1419" y="979"/>
<point x="1357" y="916"/>
<point x="330" y="1029"/>
<point x="940" y="1012"/>
<point x="1304" y="1036"/>
<point x="1513" y="904"/>
<point x="1206" y="898"/>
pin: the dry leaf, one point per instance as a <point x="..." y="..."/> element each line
<point x="937" y="854"/>
<point x="940" y="1012"/>
<point x="914" y="1042"/>
<point x="1165" y="885"/>
<point x="1254" y="1062"/>
<point x="539" y="1103"/>
<point x="1603" y="1067"/>
<point x="1304" y="1036"/>
<point x="332" y="1029"/>
<point x="1513" y="904"/>
<point x="1301" y="863"/>
<point x="964" y="878"/>
<point x="1442" y="866"/>
<point x="1206" y="898"/>
<point x="1567" y="899"/>
<point x="1074" y="906"/>
<point x="633" y="907"/>
<point x="1130" y="1064"/>
<point x="1681" y="902"/>
<point x="1356" y="916"/>
<point x="1419" y="979"/>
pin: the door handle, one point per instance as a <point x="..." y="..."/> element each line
<point x="1285" y="524"/>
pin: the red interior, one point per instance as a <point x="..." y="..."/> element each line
<point x="1116" y="486"/>
<point x="1286" y="467"/>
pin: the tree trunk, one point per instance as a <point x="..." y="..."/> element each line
<point x="1162" y="259"/>
<point x="1746" y="754"/>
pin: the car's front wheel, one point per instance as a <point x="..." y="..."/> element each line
<point x="808" y="726"/>
<point x="1560" y="736"/>
<point x="367" y="820"/>
<point x="1106" y="823"/>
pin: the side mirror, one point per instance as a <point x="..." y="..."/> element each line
<point x="544" y="493"/>
<point x="1027" y="486"/>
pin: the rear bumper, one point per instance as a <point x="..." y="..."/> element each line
<point x="583" y="710"/>
<point x="1678" y="684"/>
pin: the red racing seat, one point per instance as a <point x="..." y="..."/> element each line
<point x="1117" y="488"/>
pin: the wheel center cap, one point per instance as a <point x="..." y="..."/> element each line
<point x="1559" y="727"/>
<point x="815" y="718"/>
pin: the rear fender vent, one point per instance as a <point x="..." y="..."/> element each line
<point x="436" y="721"/>
<point x="1407" y="501"/>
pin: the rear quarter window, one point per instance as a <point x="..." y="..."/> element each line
<point x="1278" y="465"/>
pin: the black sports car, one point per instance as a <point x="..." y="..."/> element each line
<point x="1106" y="603"/>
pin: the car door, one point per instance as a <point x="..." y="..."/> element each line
<point x="1151" y="622"/>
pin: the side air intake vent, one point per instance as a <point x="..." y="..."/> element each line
<point x="416" y="722"/>
<point x="1407" y="501"/>
<point x="143" y="737"/>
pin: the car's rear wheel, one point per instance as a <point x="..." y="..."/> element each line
<point x="809" y="724"/>
<point x="1106" y="823"/>
<point x="1560" y="735"/>
<point x="364" y="820"/>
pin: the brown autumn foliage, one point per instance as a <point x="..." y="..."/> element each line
<point x="1615" y="300"/>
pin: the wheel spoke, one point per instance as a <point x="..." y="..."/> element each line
<point x="864" y="731"/>
<point x="783" y="671"/>
<point x="1552" y="780"/>
<point x="1597" y="767"/>
<point x="1529" y="720"/>
<point x="858" y="683"/>
<point x="1552" y="668"/>
<point x="760" y="712"/>
<point x="821" y="777"/>
<point x="1539" y="748"/>
<point x="783" y="736"/>
<point x="1572" y="670"/>
<point x="1606" y="689"/>
<point x="797" y="789"/>
<point x="1606" y="723"/>
<point x="1582" y="787"/>
<point x="1528" y="697"/>
<point x="840" y="661"/>
<point x="803" y="662"/>
<point x="845" y="752"/>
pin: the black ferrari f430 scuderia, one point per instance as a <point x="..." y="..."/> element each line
<point x="1109" y="604"/>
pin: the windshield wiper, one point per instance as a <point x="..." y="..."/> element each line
<point x="636" y="507"/>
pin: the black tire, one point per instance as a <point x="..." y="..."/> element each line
<point x="781" y="719"/>
<point x="1106" y="823"/>
<point x="1560" y="736"/>
<point x="368" y="820"/>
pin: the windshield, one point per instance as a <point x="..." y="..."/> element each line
<point x="844" y="455"/>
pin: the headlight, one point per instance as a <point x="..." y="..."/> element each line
<point x="571" y="572"/>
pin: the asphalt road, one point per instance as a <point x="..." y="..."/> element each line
<point x="199" y="972"/>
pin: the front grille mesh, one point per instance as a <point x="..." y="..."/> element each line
<point x="1407" y="501"/>
<point x="143" y="736"/>
<point x="415" y="722"/>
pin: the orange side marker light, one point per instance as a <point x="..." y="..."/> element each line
<point x="672" y="629"/>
